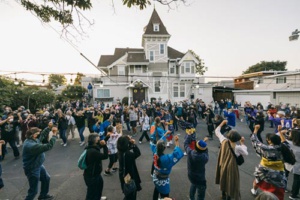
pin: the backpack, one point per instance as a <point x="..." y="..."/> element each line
<point x="289" y="156"/>
<point x="81" y="161"/>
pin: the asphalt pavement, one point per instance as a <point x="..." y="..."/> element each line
<point x="67" y="179"/>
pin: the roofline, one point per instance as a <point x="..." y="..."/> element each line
<point x="250" y="75"/>
<point x="284" y="74"/>
<point x="156" y="35"/>
<point x="112" y="64"/>
<point x="270" y="90"/>
<point x="138" y="63"/>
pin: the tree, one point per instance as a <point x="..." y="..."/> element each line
<point x="66" y="12"/>
<point x="200" y="68"/>
<point x="267" y="66"/>
<point x="73" y="92"/>
<point x="56" y="79"/>
<point x="78" y="78"/>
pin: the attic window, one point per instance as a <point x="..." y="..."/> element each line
<point x="155" y="27"/>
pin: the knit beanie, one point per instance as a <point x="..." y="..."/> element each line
<point x="201" y="145"/>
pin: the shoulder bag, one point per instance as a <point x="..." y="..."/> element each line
<point x="239" y="159"/>
<point x="129" y="183"/>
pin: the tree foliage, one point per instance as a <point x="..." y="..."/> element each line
<point x="56" y="79"/>
<point x="15" y="95"/>
<point x="200" y="68"/>
<point x="73" y="92"/>
<point x="69" y="13"/>
<point x="78" y="78"/>
<point x="267" y="66"/>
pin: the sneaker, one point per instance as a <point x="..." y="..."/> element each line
<point x="18" y="145"/>
<point x="47" y="197"/>
<point x="184" y="153"/>
<point x="293" y="197"/>
<point x="168" y="144"/>
<point x="140" y="142"/>
<point x="286" y="190"/>
<point x="171" y="142"/>
<point x="254" y="192"/>
<point x="82" y="143"/>
<point x="107" y="173"/>
<point x="65" y="145"/>
<point x="115" y="169"/>
<point x="103" y="198"/>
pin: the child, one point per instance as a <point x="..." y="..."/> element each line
<point x="112" y="138"/>
<point x="169" y="126"/>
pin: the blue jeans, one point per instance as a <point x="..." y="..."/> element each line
<point x="200" y="192"/>
<point x="62" y="135"/>
<point x="34" y="176"/>
<point x="81" y="130"/>
<point x="94" y="187"/>
<point x="128" y="126"/>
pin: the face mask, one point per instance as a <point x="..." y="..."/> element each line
<point x="11" y="120"/>
<point x="277" y="116"/>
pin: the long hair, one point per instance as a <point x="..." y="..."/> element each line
<point x="123" y="144"/>
<point x="295" y="134"/>
<point x="156" y="124"/>
<point x="160" y="148"/>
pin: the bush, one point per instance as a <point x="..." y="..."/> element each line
<point x="125" y="101"/>
<point x="152" y="99"/>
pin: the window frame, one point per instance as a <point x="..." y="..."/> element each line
<point x="179" y="91"/>
<point x="154" y="83"/>
<point x="156" y="27"/>
<point x="161" y="49"/>
<point x="98" y="92"/>
<point x="281" y="80"/>
<point x="151" y="60"/>
<point x="121" y="67"/>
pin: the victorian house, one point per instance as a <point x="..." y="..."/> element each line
<point x="155" y="71"/>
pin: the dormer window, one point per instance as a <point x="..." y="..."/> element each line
<point x="155" y="27"/>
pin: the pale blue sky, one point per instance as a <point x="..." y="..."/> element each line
<point x="229" y="35"/>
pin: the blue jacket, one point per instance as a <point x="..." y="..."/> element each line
<point x="230" y="118"/>
<point x="101" y="129"/>
<point x="33" y="153"/>
<point x="196" y="163"/>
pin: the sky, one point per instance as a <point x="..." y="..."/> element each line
<point x="228" y="35"/>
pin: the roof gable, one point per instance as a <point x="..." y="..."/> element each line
<point x="174" y="54"/>
<point x="155" y="19"/>
<point x="106" y="60"/>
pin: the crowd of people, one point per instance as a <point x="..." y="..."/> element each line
<point x="158" y="123"/>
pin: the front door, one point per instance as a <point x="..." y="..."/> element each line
<point x="138" y="94"/>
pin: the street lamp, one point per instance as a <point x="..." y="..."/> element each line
<point x="295" y="35"/>
<point x="29" y="100"/>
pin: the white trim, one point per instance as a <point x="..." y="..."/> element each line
<point x="156" y="27"/>
<point x="115" y="62"/>
<point x="178" y="85"/>
<point x="121" y="66"/>
<point x="185" y="55"/>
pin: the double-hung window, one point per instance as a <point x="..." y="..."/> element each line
<point x="103" y="93"/>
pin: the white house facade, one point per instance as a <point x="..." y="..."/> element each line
<point x="154" y="71"/>
<point x="280" y="88"/>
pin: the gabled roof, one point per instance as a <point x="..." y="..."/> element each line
<point x="174" y="54"/>
<point x="155" y="19"/>
<point x="106" y="60"/>
<point x="134" y="57"/>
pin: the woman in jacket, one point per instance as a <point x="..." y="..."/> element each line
<point x="80" y="122"/>
<point x="269" y="175"/>
<point x="62" y="127"/>
<point x="294" y="144"/>
<point x="227" y="173"/>
<point x="163" y="164"/>
<point x="92" y="174"/>
<point x="128" y="152"/>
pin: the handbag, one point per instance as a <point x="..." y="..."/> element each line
<point x="239" y="159"/>
<point x="129" y="183"/>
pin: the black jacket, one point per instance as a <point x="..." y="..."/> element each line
<point x="94" y="160"/>
<point x="130" y="166"/>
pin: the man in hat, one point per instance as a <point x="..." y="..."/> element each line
<point x="33" y="159"/>
<point x="196" y="160"/>
<point x="277" y="119"/>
